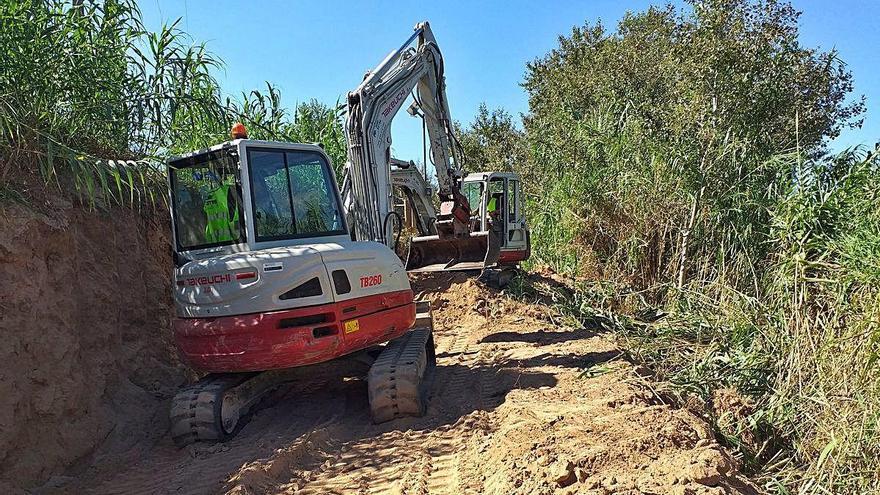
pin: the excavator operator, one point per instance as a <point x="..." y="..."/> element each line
<point x="494" y="211"/>
<point x="496" y="229"/>
<point x="494" y="206"/>
<point x="222" y="212"/>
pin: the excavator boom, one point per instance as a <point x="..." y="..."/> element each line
<point x="416" y="70"/>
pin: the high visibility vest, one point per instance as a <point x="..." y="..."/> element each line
<point x="493" y="205"/>
<point x="220" y="227"/>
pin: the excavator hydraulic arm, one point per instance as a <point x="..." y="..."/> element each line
<point x="367" y="188"/>
<point x="371" y="108"/>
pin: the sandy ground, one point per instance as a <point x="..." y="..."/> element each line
<point x="520" y="405"/>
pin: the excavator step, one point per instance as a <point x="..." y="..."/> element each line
<point x="399" y="378"/>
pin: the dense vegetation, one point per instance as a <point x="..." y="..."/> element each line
<point x="95" y="102"/>
<point x="678" y="166"/>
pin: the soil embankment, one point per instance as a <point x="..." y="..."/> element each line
<point x="85" y="358"/>
<point x="520" y="404"/>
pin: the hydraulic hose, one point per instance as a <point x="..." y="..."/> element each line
<point x="399" y="225"/>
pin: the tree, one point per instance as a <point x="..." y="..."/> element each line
<point x="313" y="122"/>
<point x="725" y="66"/>
<point x="492" y="142"/>
<point x="665" y="127"/>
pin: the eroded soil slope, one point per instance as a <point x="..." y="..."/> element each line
<point x="520" y="404"/>
<point x="85" y="356"/>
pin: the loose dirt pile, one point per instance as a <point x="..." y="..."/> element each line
<point x="85" y="360"/>
<point x="520" y="405"/>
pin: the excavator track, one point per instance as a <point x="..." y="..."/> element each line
<point x="197" y="411"/>
<point x="399" y="379"/>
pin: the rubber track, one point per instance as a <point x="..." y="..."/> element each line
<point x="497" y="278"/>
<point x="195" y="410"/>
<point x="396" y="379"/>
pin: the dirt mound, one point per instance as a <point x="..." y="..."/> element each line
<point x="597" y="437"/>
<point x="574" y="417"/>
<point x="457" y="299"/>
<point x="85" y="356"/>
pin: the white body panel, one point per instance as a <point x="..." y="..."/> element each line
<point x="210" y="287"/>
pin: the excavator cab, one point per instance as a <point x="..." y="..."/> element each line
<point x="499" y="235"/>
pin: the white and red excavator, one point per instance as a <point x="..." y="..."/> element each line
<point x="276" y="269"/>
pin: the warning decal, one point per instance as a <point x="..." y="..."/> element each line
<point x="352" y="326"/>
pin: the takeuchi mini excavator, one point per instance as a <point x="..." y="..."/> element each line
<point x="275" y="269"/>
<point x="268" y="279"/>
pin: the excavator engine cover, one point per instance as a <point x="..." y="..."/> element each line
<point x="433" y="253"/>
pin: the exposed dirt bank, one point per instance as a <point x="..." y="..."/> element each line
<point x="85" y="357"/>
<point x="520" y="405"/>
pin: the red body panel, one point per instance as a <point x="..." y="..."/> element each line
<point x="295" y="337"/>
<point x="509" y="257"/>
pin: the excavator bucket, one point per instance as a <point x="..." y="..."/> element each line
<point x="433" y="254"/>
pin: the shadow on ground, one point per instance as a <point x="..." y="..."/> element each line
<point x="541" y="337"/>
<point x="320" y="423"/>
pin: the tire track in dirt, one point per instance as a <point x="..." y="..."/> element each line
<point x="423" y="461"/>
<point x="328" y="458"/>
<point x="443" y="475"/>
<point x="415" y="456"/>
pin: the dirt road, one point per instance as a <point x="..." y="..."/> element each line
<point x="520" y="405"/>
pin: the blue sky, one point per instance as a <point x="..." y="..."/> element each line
<point x="309" y="51"/>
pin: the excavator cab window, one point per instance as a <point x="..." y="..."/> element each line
<point x="473" y="191"/>
<point x="513" y="204"/>
<point x="293" y="195"/>
<point x="496" y="191"/>
<point x="206" y="201"/>
<point x="498" y="198"/>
